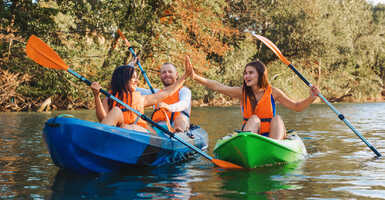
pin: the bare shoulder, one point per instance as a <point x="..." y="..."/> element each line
<point x="277" y="93"/>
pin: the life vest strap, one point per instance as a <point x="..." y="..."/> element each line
<point x="262" y="119"/>
<point x="265" y="134"/>
<point x="186" y="114"/>
<point x="172" y="117"/>
<point x="136" y="120"/>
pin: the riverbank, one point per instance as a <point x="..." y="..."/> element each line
<point x="49" y="105"/>
<point x="11" y="101"/>
<point x="225" y="103"/>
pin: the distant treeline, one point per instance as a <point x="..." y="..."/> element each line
<point x="337" y="45"/>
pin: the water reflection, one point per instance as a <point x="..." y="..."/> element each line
<point x="261" y="183"/>
<point x="339" y="166"/>
<point x="159" y="183"/>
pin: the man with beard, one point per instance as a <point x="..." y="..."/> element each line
<point x="177" y="107"/>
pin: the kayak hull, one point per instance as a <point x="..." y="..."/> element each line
<point x="86" y="146"/>
<point x="252" y="150"/>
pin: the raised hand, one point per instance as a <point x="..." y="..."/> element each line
<point x="95" y="86"/>
<point x="314" y="91"/>
<point x="188" y="67"/>
<point x="133" y="61"/>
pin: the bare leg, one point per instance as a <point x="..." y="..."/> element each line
<point x="253" y="124"/>
<point x="277" y="128"/>
<point x="181" y="123"/>
<point x="135" y="128"/>
<point x="114" y="117"/>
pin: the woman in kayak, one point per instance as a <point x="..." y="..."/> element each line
<point x="123" y="84"/>
<point x="258" y="99"/>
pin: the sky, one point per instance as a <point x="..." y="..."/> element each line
<point x="376" y="1"/>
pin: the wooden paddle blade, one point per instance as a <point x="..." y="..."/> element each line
<point x="124" y="38"/>
<point x="274" y="48"/>
<point x="225" y="165"/>
<point x="44" y="55"/>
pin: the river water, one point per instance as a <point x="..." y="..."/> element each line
<point x="339" y="165"/>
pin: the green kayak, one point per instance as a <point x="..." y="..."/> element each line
<point x="251" y="150"/>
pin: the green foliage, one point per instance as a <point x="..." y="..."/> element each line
<point x="337" y="45"/>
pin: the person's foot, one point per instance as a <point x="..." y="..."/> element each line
<point x="177" y="129"/>
<point x="188" y="133"/>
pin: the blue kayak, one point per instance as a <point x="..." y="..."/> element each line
<point x="86" y="146"/>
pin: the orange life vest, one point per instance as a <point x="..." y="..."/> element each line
<point x="137" y="104"/>
<point x="159" y="115"/>
<point x="265" y="110"/>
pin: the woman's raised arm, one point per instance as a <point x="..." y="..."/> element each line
<point x="233" y="92"/>
<point x="292" y="105"/>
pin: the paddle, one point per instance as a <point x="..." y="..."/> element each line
<point x="277" y="52"/>
<point x="144" y="72"/>
<point x="44" y="55"/>
<point x="168" y="123"/>
<point x="137" y="62"/>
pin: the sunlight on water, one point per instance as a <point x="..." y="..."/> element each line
<point x="339" y="165"/>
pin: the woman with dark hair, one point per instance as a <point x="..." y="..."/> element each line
<point x="122" y="86"/>
<point x="258" y="99"/>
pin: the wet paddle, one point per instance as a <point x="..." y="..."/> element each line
<point x="137" y="62"/>
<point x="44" y="55"/>
<point x="277" y="52"/>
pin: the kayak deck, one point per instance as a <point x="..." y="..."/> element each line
<point x="251" y="150"/>
<point x="86" y="146"/>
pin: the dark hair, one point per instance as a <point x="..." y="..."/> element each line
<point x="119" y="82"/>
<point x="262" y="82"/>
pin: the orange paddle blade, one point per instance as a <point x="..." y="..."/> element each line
<point x="124" y="38"/>
<point x="44" y="55"/>
<point x="168" y="123"/>
<point x="274" y="48"/>
<point x="225" y="165"/>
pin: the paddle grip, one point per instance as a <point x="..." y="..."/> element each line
<point x="355" y="131"/>
<point x="375" y="151"/>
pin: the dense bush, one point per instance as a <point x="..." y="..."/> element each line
<point x="337" y="45"/>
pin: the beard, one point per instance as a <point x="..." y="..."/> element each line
<point x="167" y="83"/>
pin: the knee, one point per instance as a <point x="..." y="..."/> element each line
<point x="254" y="119"/>
<point x="115" y="110"/>
<point x="181" y="119"/>
<point x="277" y="119"/>
<point x="181" y="123"/>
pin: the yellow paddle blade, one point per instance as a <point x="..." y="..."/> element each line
<point x="225" y="165"/>
<point x="274" y="48"/>
<point x="44" y="55"/>
<point x="124" y="38"/>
